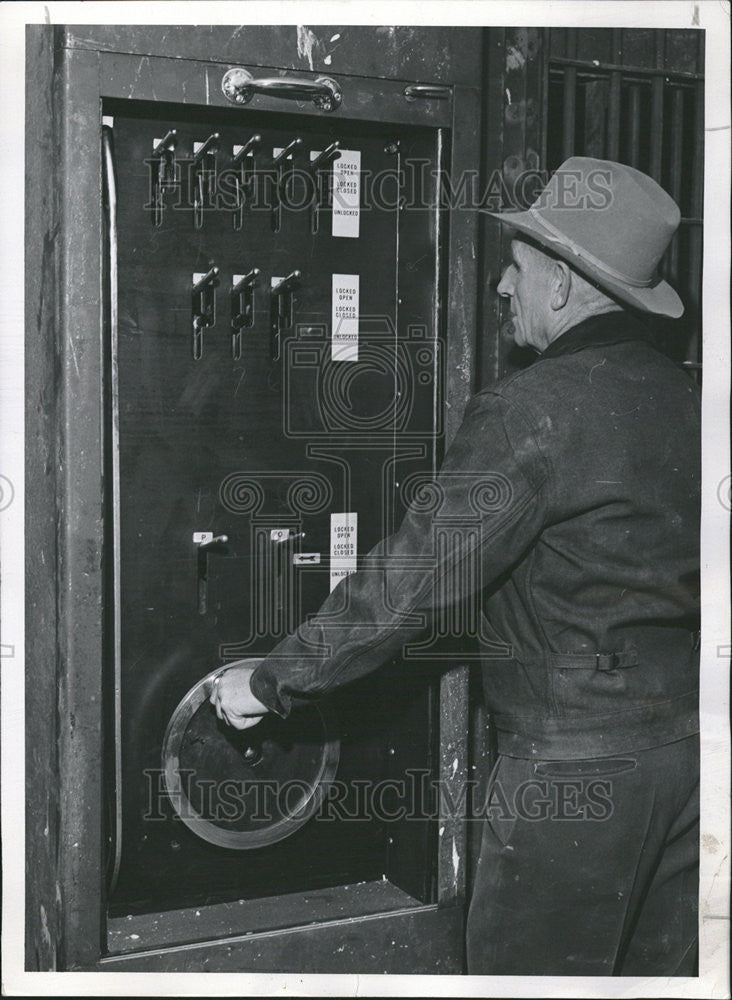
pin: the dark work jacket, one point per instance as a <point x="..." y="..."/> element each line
<point x="565" y="518"/>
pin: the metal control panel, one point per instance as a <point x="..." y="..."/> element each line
<point x="277" y="367"/>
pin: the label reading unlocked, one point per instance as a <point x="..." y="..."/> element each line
<point x="347" y="193"/>
<point x="344" y="318"/>
<point x="343" y="546"/>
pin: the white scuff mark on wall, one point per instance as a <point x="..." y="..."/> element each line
<point x="45" y="932"/>
<point x="455" y="766"/>
<point x="334" y="38"/>
<point x="508" y="96"/>
<point x="328" y="60"/>
<point x="515" y="58"/>
<point x="455" y="860"/>
<point x="305" y="42"/>
<point x="72" y="345"/>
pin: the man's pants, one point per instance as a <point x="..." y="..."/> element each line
<point x="589" y="867"/>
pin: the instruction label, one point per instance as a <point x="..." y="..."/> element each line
<point x="343" y="546"/>
<point x="347" y="193"/>
<point x="344" y="317"/>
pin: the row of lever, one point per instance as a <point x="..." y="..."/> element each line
<point x="242" y="307"/>
<point x="204" y="175"/>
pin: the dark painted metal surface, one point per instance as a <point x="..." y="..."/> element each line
<point x="676" y="51"/>
<point x="187" y="427"/>
<point x="422" y="54"/>
<point x="176" y="927"/>
<point x="133" y="77"/>
<point x="43" y="918"/>
<point x="79" y="512"/>
<point x="425" y="940"/>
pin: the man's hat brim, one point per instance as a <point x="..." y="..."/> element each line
<point x="658" y="298"/>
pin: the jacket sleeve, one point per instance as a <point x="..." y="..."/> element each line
<point x="462" y="530"/>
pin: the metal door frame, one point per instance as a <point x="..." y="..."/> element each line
<point x="83" y="79"/>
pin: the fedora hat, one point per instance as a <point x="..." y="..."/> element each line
<point x="612" y="223"/>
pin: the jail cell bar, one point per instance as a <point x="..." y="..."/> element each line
<point x="648" y="116"/>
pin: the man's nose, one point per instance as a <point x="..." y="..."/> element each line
<point x="504" y="286"/>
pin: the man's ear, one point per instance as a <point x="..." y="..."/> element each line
<point x="561" y="284"/>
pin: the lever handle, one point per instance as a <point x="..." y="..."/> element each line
<point x="247" y="279"/>
<point x="287" y="151"/>
<point x="209" y="278"/>
<point x="331" y="153"/>
<point x="249" y="146"/>
<point x="167" y="144"/>
<point x="287" y="284"/>
<point x="210" y="145"/>
<point x="215" y="540"/>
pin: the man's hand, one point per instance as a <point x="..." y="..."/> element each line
<point x="233" y="700"/>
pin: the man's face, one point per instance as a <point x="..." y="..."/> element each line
<point x="526" y="283"/>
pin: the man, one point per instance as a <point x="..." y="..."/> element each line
<point x="588" y="574"/>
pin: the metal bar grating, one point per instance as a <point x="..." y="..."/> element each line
<point x="651" y="117"/>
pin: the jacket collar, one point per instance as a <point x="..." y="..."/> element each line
<point x="607" y="328"/>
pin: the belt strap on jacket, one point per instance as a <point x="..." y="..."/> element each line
<point x="594" y="661"/>
<point x="620" y="660"/>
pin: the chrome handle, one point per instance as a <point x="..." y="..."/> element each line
<point x="426" y="91"/>
<point x="239" y="86"/>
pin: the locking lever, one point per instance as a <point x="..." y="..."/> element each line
<point x="282" y="539"/>
<point x="283" y="163"/>
<point x="203" y="297"/>
<point x="207" y="543"/>
<point x="203" y="174"/>
<point x="281" y="309"/>
<point x="164" y="153"/>
<point x="244" y="179"/>
<point x="322" y="160"/>
<point x="242" y="307"/>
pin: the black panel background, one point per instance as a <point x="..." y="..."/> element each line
<point x="185" y="426"/>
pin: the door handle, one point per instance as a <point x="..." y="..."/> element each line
<point x="239" y="86"/>
<point x="426" y="91"/>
